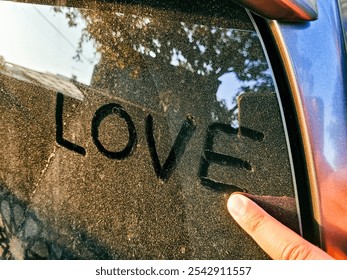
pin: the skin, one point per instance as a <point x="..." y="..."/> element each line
<point x="278" y="241"/>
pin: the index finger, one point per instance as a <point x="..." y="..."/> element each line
<point x="278" y="241"/>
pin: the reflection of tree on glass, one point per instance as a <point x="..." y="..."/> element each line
<point x="135" y="44"/>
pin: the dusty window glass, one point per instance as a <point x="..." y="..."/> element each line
<point x="126" y="126"/>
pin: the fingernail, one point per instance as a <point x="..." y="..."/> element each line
<point x="236" y="205"/>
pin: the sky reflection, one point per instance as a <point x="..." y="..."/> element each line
<point x="36" y="37"/>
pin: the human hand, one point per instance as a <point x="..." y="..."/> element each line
<point x="278" y="241"/>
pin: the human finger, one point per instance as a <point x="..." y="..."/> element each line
<point x="278" y="241"/>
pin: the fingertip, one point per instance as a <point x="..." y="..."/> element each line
<point x="236" y="205"/>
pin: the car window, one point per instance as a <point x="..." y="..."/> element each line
<point x="125" y="126"/>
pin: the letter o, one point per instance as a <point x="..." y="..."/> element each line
<point x="99" y="116"/>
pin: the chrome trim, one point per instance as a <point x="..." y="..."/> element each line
<point x="298" y="206"/>
<point x="315" y="59"/>
<point x="284" y="10"/>
<point x="300" y="110"/>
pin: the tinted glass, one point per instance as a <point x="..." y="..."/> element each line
<point x="125" y="127"/>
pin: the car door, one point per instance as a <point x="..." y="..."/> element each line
<point x="126" y="126"/>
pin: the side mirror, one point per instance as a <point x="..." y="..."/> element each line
<point x="284" y="10"/>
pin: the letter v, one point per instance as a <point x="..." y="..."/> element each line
<point x="184" y="135"/>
